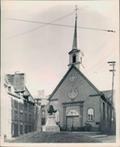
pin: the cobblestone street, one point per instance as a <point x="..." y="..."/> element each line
<point x="63" y="137"/>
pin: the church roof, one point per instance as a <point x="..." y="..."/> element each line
<point x="74" y="50"/>
<point x="98" y="92"/>
<point x="107" y="94"/>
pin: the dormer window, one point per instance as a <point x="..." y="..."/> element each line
<point x="9" y="88"/>
<point x="26" y="94"/>
<point x="74" y="58"/>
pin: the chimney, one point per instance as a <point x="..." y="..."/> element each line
<point x="19" y="82"/>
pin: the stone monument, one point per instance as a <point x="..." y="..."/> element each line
<point x="51" y="125"/>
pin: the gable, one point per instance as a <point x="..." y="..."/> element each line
<point x="30" y="98"/>
<point x="73" y="79"/>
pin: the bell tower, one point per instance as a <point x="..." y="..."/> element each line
<point x="74" y="58"/>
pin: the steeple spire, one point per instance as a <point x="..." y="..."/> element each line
<point x="74" y="46"/>
<point x="74" y="53"/>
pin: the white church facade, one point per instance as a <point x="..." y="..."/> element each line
<point x="81" y="106"/>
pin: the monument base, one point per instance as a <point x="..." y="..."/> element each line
<point x="51" y="125"/>
<point x="52" y="129"/>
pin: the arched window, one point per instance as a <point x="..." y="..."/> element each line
<point x="90" y="114"/>
<point x="74" y="58"/>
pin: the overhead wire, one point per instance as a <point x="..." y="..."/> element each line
<point x="62" y="25"/>
<point x="50" y="23"/>
<point x="53" y="24"/>
<point x="36" y="28"/>
<point x="95" y="67"/>
<point x="102" y="64"/>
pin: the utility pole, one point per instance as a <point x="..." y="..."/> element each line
<point x="112" y="63"/>
<point x="112" y="120"/>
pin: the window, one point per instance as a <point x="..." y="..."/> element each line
<point x="21" y="129"/>
<point x="14" y="130"/>
<point x="21" y="107"/>
<point x="25" y="106"/>
<point x="103" y="111"/>
<point x="108" y="115"/>
<point x="30" y="107"/>
<point x="25" y="117"/>
<point x="90" y="114"/>
<point x="30" y="118"/>
<point x="26" y="129"/>
<point x="15" y="115"/>
<point x="21" y="116"/>
<point x="9" y="89"/>
<point x="12" y="105"/>
<point x="15" y="104"/>
<point x="30" y="128"/>
<point x="74" y="58"/>
<point x="12" y="114"/>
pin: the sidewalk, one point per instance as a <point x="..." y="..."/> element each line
<point x="105" y="138"/>
<point x="100" y="137"/>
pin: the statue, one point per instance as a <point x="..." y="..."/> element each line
<point x="51" y="110"/>
<point x="51" y="125"/>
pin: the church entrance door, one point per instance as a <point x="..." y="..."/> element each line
<point x="72" y="123"/>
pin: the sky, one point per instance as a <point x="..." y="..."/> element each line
<point x="42" y="54"/>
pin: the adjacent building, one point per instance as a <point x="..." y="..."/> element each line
<point x="20" y="107"/>
<point x="38" y="115"/>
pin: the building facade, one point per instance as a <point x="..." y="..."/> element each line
<point x="80" y="105"/>
<point x="20" y="107"/>
<point x="38" y="115"/>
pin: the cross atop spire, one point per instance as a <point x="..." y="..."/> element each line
<point x="74" y="46"/>
<point x="76" y="8"/>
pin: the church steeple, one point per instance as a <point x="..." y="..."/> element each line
<point x="74" y="53"/>
<point x="75" y="34"/>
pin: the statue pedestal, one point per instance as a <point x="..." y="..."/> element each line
<point x="51" y="125"/>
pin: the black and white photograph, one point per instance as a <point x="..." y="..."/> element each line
<point x="60" y="72"/>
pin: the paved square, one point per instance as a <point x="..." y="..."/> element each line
<point x="62" y="137"/>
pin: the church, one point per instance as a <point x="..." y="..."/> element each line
<point x="80" y="105"/>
